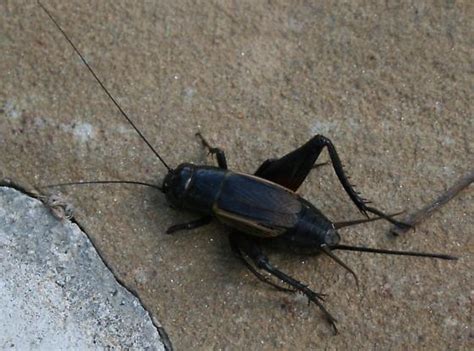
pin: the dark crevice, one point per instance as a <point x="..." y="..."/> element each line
<point x="161" y="331"/>
<point x="8" y="183"/>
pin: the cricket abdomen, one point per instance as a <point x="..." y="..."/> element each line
<point x="311" y="231"/>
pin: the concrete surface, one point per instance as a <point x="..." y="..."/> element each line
<point x="55" y="291"/>
<point x="389" y="82"/>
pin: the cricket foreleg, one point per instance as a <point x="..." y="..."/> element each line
<point x="189" y="225"/>
<point x="220" y="155"/>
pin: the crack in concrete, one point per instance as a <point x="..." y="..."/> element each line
<point x="159" y="328"/>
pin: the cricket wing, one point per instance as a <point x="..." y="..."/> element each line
<point x="256" y="206"/>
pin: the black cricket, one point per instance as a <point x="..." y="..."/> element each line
<point x="260" y="208"/>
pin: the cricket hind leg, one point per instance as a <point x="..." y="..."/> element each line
<point x="292" y="169"/>
<point x="251" y="248"/>
<point x="220" y="155"/>
<point x="236" y="250"/>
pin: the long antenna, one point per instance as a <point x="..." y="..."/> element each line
<point x="102" y="85"/>
<point x="103" y="182"/>
<point x="393" y="252"/>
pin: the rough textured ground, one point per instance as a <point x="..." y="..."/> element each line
<point x="389" y="82"/>
<point x="55" y="291"/>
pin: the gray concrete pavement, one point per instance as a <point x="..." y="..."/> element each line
<point x="55" y="291"/>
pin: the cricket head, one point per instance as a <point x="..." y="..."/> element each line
<point x="177" y="183"/>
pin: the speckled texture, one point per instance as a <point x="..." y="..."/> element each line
<point x="388" y="82"/>
<point x="55" y="291"/>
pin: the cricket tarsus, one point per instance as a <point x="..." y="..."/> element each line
<point x="102" y="85"/>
